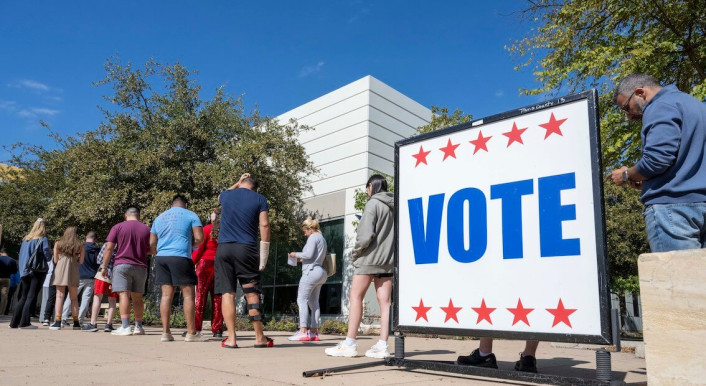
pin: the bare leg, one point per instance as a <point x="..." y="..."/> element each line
<point x="359" y="285"/>
<point x="254" y="298"/>
<point x="124" y="304"/>
<point x="111" y="310"/>
<point x="531" y="348"/>
<point x="228" y="310"/>
<point x="96" y="308"/>
<point x="165" y="307"/>
<point x="486" y="345"/>
<point x="138" y="305"/>
<point x="189" y="308"/>
<point x="73" y="295"/>
<point x="383" y="290"/>
<point x="60" y="295"/>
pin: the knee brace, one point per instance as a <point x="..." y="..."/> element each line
<point x="259" y="307"/>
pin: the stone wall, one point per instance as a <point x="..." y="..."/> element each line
<point x="673" y="292"/>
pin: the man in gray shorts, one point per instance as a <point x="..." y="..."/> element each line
<point x="129" y="269"/>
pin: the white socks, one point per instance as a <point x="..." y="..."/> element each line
<point x="483" y="354"/>
<point x="382" y="344"/>
<point x="350" y="342"/>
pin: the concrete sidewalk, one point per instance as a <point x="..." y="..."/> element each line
<point x="76" y="357"/>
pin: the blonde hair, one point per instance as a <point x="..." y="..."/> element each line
<point x="312" y="224"/>
<point x="69" y="244"/>
<point x="39" y="230"/>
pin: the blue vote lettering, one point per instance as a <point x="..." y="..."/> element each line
<point x="426" y="230"/>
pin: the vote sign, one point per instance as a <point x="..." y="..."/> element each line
<point x="500" y="227"/>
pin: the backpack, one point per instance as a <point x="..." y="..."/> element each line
<point x="36" y="262"/>
<point x="330" y="264"/>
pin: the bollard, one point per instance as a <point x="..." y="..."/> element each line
<point x="603" y="370"/>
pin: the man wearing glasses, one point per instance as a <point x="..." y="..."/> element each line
<point x="672" y="169"/>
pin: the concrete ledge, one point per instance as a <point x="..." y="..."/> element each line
<point x="673" y="293"/>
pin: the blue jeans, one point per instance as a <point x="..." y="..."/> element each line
<point x="672" y="227"/>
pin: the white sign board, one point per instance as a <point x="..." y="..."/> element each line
<point x="500" y="227"/>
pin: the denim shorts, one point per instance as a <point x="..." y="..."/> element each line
<point x="672" y="227"/>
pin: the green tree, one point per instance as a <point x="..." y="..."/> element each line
<point x="574" y="45"/>
<point x="441" y="119"/>
<point x="159" y="138"/>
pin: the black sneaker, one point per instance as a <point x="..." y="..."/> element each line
<point x="478" y="361"/>
<point x="77" y="325"/>
<point x="108" y="327"/>
<point x="55" y="326"/>
<point x="527" y="363"/>
<point x="89" y="327"/>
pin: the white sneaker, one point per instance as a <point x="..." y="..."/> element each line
<point x="342" y="350"/>
<point x="377" y="352"/>
<point x="29" y="327"/>
<point x="138" y="331"/>
<point x="198" y="337"/>
<point x="122" y="331"/>
<point x="167" y="337"/>
<point x="299" y="337"/>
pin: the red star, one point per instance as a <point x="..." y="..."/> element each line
<point x="480" y="142"/>
<point x="520" y="313"/>
<point x="552" y="126"/>
<point x="514" y="135"/>
<point x="449" y="150"/>
<point x="421" y="311"/>
<point x="451" y="311"/>
<point x="483" y="312"/>
<point x="421" y="156"/>
<point x="561" y="314"/>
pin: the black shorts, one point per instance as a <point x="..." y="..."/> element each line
<point x="233" y="262"/>
<point x="383" y="275"/>
<point x="174" y="270"/>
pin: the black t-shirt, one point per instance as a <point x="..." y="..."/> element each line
<point x="8" y="266"/>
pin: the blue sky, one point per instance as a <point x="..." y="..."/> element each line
<point x="276" y="54"/>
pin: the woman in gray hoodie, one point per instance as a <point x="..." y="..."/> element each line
<point x="373" y="262"/>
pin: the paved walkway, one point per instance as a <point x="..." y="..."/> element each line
<point x="76" y="357"/>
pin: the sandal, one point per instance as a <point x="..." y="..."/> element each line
<point x="270" y="343"/>
<point x="224" y="345"/>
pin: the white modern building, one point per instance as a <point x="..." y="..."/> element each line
<point x="354" y="129"/>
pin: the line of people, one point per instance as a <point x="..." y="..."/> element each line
<point x="229" y="253"/>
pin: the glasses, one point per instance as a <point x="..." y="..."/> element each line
<point x="626" y="105"/>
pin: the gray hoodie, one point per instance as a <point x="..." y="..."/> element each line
<point x="373" y="252"/>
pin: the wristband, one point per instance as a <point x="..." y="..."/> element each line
<point x="264" y="253"/>
<point x="625" y="176"/>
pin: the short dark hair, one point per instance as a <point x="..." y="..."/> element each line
<point x="252" y="181"/>
<point x="2" y="250"/>
<point x="132" y="210"/>
<point x="377" y="184"/>
<point x="632" y="82"/>
<point x="180" y="199"/>
<point x="91" y="235"/>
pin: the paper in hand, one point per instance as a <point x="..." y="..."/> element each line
<point x="291" y="260"/>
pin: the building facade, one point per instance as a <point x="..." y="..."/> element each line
<point x="352" y="136"/>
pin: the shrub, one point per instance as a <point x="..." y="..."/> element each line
<point x="334" y="327"/>
<point x="283" y="324"/>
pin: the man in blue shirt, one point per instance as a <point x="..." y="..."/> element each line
<point x="238" y="257"/>
<point x="171" y="240"/>
<point x="672" y="169"/>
